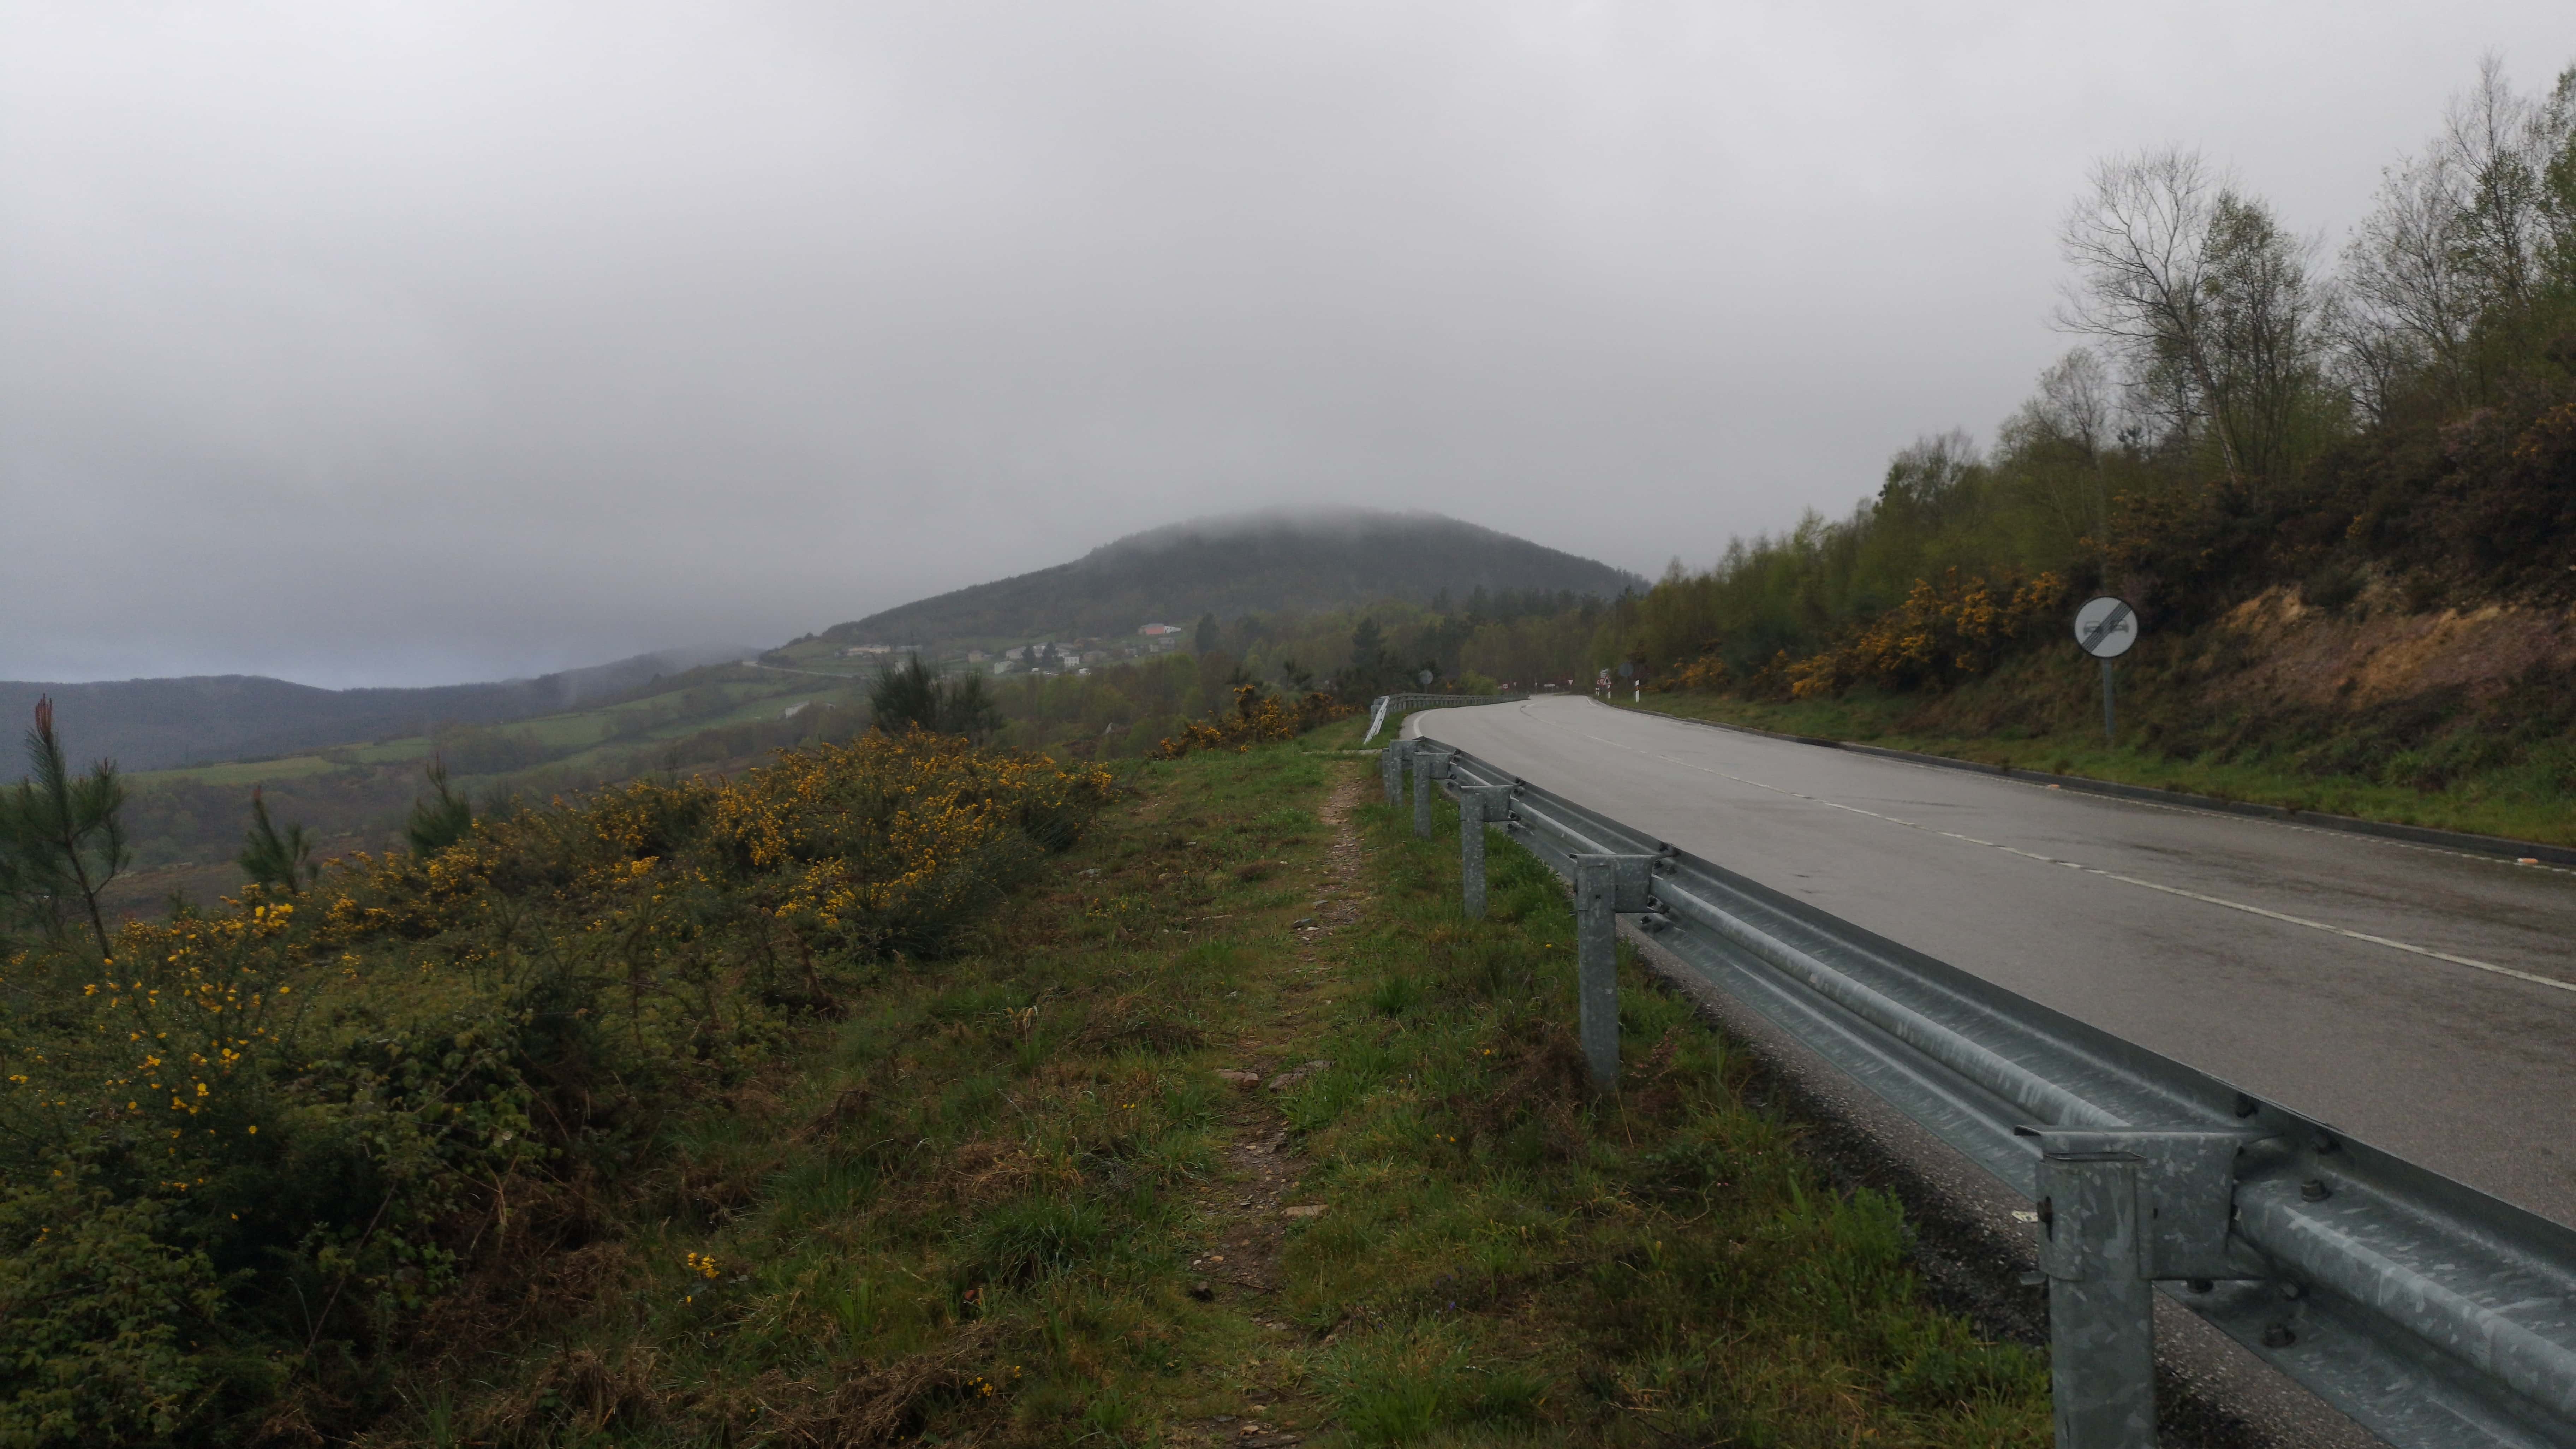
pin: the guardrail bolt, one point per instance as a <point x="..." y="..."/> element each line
<point x="2279" y="1335"/>
<point x="2101" y="1307"/>
<point x="2313" y="1190"/>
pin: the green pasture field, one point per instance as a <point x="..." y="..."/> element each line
<point x="247" y="772"/>
<point x="591" y="734"/>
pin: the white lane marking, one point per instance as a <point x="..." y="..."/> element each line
<point x="2251" y="910"/>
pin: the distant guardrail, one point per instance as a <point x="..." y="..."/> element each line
<point x="1403" y="704"/>
<point x="2431" y="1313"/>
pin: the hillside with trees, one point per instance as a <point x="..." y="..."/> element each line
<point x="155" y="724"/>
<point x="1477" y="643"/>
<point x="2340" y="490"/>
<point x="1275" y="564"/>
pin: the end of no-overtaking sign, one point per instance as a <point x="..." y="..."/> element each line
<point x="2106" y="627"/>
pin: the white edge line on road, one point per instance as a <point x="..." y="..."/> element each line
<point x="2331" y="929"/>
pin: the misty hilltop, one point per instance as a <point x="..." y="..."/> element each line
<point x="1272" y="562"/>
<point x="153" y="724"/>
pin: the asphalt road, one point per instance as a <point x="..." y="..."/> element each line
<point x="2418" y="999"/>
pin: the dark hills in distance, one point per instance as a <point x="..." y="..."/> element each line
<point x="1270" y="563"/>
<point x="156" y="724"/>
<point x="1277" y="562"/>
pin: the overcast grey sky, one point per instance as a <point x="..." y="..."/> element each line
<point x="371" y="343"/>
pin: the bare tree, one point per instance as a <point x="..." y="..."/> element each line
<point x="2405" y="305"/>
<point x="2207" y="301"/>
<point x="2493" y="139"/>
<point x="1925" y="480"/>
<point x="2138" y="241"/>
<point x="2554" y="124"/>
<point x="2055" y="443"/>
<point x="2077" y="401"/>
<point x="2259" y="312"/>
<point x="2464" y="241"/>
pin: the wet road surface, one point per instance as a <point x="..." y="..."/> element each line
<point x="2422" y="1000"/>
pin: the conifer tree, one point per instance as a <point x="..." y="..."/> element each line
<point x="905" y="696"/>
<point x="911" y="696"/>
<point x="62" y="840"/>
<point x="440" y="818"/>
<point x="275" y="858"/>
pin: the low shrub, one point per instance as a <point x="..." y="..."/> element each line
<point x="1257" y="717"/>
<point x="1944" y="632"/>
<point x="245" y="1148"/>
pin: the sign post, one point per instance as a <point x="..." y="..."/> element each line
<point x="2107" y="628"/>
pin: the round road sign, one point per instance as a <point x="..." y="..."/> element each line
<point x="2106" y="627"/>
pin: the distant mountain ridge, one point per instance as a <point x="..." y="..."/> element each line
<point x="1274" y="562"/>
<point x="1271" y="563"/>
<point x="155" y="724"/>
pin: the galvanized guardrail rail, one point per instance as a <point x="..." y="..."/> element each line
<point x="1401" y="705"/>
<point x="2433" y="1314"/>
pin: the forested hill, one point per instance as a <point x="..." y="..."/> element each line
<point x="1258" y="563"/>
<point x="151" y="724"/>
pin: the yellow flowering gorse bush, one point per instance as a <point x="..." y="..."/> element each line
<point x="254" y="1134"/>
<point x="1941" y="634"/>
<point x="1257" y="717"/>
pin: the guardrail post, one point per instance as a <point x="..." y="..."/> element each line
<point x="1478" y="806"/>
<point x="1428" y="765"/>
<point x="2101" y="1307"/>
<point x="1391" y="763"/>
<point x="2433" y="1314"/>
<point x="1604" y="885"/>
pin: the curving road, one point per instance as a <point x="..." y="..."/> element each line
<point x="2420" y="999"/>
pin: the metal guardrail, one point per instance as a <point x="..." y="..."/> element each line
<point x="1401" y="705"/>
<point x="2431" y="1313"/>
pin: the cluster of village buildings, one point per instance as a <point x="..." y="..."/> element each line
<point x="1047" y="656"/>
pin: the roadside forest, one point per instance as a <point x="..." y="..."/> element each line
<point x="2392" y="427"/>
<point x="2339" y="486"/>
<point x="2340" y="490"/>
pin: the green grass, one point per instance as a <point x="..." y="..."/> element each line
<point x="584" y="737"/>
<point x="392" y="752"/>
<point x="2496" y="802"/>
<point x="249" y="772"/>
<point x="1008" y="1199"/>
